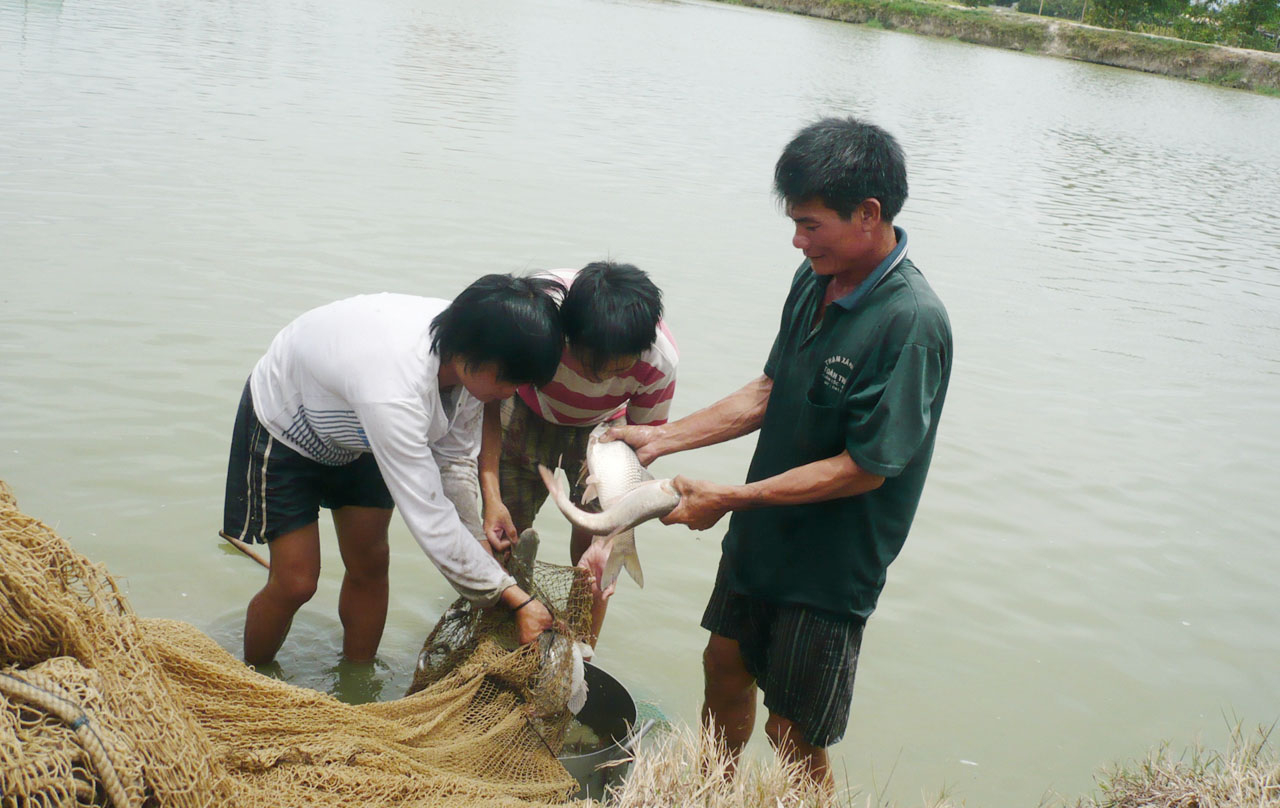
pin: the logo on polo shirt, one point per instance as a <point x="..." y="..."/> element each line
<point x="836" y="372"/>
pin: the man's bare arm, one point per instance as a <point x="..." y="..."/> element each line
<point x="499" y="531"/>
<point x="737" y="414"/>
<point x="703" y="503"/>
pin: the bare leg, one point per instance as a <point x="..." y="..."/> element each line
<point x="789" y="743"/>
<point x="579" y="541"/>
<point x="295" y="569"/>
<point x="729" y="695"/>
<point x="362" y="604"/>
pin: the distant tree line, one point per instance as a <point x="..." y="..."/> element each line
<point x="1239" y="23"/>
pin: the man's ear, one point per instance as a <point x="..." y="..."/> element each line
<point x="868" y="212"/>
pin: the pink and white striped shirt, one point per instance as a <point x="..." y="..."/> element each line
<point x="643" y="393"/>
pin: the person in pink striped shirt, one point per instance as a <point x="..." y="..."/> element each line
<point x="619" y="363"/>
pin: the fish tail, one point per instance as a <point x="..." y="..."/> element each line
<point x="622" y="556"/>
<point x="612" y="566"/>
<point x="631" y="563"/>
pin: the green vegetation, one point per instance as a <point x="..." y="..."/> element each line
<point x="1253" y="24"/>
<point x="1151" y="41"/>
<point x="1066" y="9"/>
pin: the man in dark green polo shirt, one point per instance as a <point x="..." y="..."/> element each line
<point x="847" y="409"/>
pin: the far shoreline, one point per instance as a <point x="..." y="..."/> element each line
<point x="995" y="26"/>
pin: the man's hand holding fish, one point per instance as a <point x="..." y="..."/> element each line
<point x="702" y="503"/>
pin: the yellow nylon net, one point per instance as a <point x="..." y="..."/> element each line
<point x="100" y="707"/>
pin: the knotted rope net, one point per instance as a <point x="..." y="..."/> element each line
<point x="99" y="707"/>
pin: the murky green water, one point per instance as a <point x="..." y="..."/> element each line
<point x="1093" y="568"/>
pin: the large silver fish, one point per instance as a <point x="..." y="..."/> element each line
<point x="628" y="495"/>
<point x="561" y="680"/>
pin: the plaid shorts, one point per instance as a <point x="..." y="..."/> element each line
<point x="273" y="490"/>
<point x="803" y="659"/>
<point x="528" y="440"/>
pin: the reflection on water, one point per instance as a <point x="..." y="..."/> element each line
<point x="1091" y="569"/>
<point x="312" y="657"/>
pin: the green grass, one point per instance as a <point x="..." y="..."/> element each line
<point x="974" y="25"/>
<point x="1232" y="78"/>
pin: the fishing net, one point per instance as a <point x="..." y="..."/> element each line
<point x="100" y="707"/>
<point x="537" y="675"/>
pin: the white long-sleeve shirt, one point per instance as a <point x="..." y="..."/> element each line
<point x="359" y="376"/>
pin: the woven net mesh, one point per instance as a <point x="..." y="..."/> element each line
<point x="100" y="707"/>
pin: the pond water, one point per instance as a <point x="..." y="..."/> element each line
<point x="1093" y="566"/>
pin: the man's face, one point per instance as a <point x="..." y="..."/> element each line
<point x="483" y="382"/>
<point x="833" y="245"/>
<point x="615" y="366"/>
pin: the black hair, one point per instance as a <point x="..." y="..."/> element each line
<point x="507" y="320"/>
<point x="611" y="310"/>
<point x="843" y="161"/>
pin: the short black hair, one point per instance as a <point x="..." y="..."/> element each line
<point x="611" y="310"/>
<point x="510" y="321"/>
<point x="843" y="161"/>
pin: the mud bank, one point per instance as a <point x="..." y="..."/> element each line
<point x="1000" y="28"/>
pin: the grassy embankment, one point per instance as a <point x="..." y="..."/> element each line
<point x="685" y="770"/>
<point x="1001" y="28"/>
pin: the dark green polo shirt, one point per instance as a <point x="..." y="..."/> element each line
<point x="869" y="380"/>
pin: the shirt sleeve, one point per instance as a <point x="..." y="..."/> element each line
<point x="890" y="417"/>
<point x="771" y="364"/>
<point x="461" y="481"/>
<point x="456" y="454"/>
<point x="397" y="436"/>
<point x="784" y="324"/>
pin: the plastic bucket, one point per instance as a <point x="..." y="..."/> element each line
<point x="610" y="712"/>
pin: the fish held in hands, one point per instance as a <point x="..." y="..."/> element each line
<point x="628" y="495"/>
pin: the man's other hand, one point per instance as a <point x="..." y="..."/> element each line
<point x="499" y="530"/>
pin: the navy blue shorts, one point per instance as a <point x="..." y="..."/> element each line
<point x="803" y="659"/>
<point x="273" y="490"/>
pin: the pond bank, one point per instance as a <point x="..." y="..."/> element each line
<point x="686" y="768"/>
<point x="1001" y="28"/>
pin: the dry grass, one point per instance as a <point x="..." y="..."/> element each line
<point x="686" y="769"/>
<point x="1246" y="776"/>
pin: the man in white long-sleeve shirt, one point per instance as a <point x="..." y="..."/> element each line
<point x="373" y="402"/>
